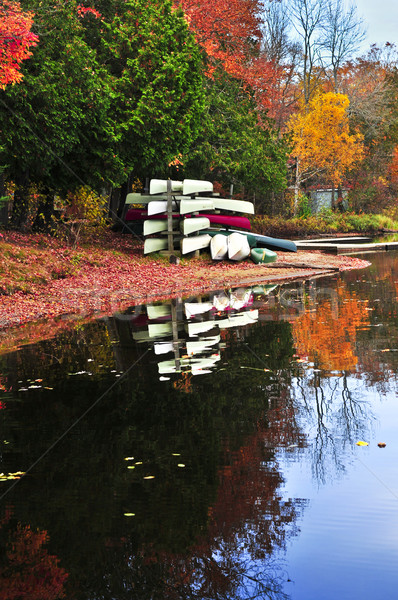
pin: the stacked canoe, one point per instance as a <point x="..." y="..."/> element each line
<point x="189" y="211"/>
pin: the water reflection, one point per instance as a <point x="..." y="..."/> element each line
<point x="153" y="482"/>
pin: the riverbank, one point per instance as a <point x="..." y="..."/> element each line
<point x="42" y="279"/>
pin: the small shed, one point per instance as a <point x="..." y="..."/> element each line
<point x="321" y="198"/>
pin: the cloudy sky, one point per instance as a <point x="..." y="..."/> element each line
<point x="381" y="20"/>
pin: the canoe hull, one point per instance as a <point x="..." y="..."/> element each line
<point x="259" y="241"/>
<point x="188" y="226"/>
<point x="140" y="214"/>
<point x="238" y="246"/>
<point x="196" y="242"/>
<point x="263" y="255"/>
<point x="219" y="247"/>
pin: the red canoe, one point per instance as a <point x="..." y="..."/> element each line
<point x="139" y="214"/>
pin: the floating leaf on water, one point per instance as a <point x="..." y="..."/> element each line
<point x="362" y="444"/>
<point x="181" y="465"/>
<point x="129" y="458"/>
<point x="150" y="477"/>
<point x="131" y="467"/>
<point x="48" y="388"/>
<point x="176" y="454"/>
<point x="381" y="445"/>
<point x="129" y="514"/>
<point x="139" y="463"/>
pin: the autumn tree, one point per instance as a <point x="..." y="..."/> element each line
<point x="16" y="41"/>
<point x="371" y="84"/>
<point x="322" y="143"/>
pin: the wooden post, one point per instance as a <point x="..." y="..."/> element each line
<point x="174" y="322"/>
<point x="170" y="244"/>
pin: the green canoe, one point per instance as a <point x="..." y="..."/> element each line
<point x="262" y="255"/>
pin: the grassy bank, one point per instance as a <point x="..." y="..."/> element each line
<point x="323" y="224"/>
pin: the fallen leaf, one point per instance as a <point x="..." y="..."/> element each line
<point x="362" y="444"/>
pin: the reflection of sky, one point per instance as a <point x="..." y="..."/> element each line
<point x="348" y="544"/>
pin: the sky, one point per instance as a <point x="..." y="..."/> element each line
<point x="380" y="19"/>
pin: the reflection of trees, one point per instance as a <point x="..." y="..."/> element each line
<point x="27" y="570"/>
<point x="336" y="417"/>
<point x="328" y="337"/>
<point x="209" y="528"/>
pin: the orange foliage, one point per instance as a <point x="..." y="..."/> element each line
<point x="328" y="340"/>
<point x="16" y="39"/>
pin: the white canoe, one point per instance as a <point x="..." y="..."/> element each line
<point x="157" y="207"/>
<point x="155" y="245"/>
<point x="219" y="247"/>
<point x="196" y="242"/>
<point x="134" y="198"/>
<point x="154" y="226"/>
<point x="159" y="186"/>
<point x="158" y="311"/>
<point x="241" y="206"/>
<point x="190" y="205"/>
<point x="195" y="186"/>
<point x="188" y="226"/>
<point x="238" y="246"/>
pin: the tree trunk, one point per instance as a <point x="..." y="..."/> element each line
<point x="20" y="209"/>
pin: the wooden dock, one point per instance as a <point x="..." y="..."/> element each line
<point x="353" y="245"/>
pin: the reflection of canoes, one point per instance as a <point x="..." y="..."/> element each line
<point x="239" y="319"/>
<point x="163" y="347"/>
<point x="238" y="246"/>
<point x="158" y="311"/>
<point x="240" y="298"/>
<point x="196" y="308"/>
<point x="219" y="247"/>
<point x="199" y="346"/>
<point x="263" y="255"/>
<point x="259" y="241"/>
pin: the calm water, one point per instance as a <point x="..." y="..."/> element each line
<point x="207" y="448"/>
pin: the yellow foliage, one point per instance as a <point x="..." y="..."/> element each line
<point x="321" y="137"/>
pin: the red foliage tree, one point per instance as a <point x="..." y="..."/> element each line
<point x="230" y="34"/>
<point x="16" y="39"/>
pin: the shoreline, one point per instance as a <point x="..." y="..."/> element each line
<point x="114" y="276"/>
